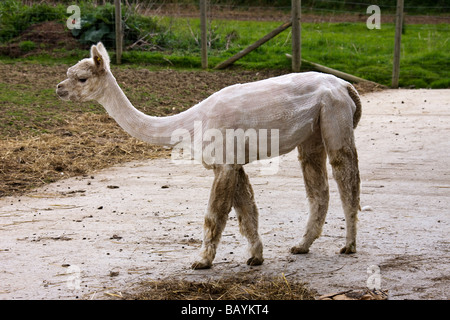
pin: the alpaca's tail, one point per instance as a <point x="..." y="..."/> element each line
<point x="355" y="97"/>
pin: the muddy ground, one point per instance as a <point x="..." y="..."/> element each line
<point x="106" y="233"/>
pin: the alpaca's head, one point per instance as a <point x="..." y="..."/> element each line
<point x="86" y="80"/>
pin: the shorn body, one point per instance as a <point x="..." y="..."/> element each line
<point x="313" y="112"/>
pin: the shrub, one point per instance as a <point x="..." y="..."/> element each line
<point x="16" y="17"/>
<point x="27" y="46"/>
<point x="98" y="24"/>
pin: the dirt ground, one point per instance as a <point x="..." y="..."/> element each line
<point x="104" y="234"/>
<point x="271" y="14"/>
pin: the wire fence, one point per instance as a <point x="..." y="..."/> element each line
<point x="344" y="37"/>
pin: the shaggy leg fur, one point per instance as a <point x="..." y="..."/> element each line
<point x="247" y="214"/>
<point x="313" y="160"/>
<point x="337" y="132"/>
<point x="220" y="202"/>
<point x="345" y="171"/>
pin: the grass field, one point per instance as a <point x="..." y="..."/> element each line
<point x="349" y="47"/>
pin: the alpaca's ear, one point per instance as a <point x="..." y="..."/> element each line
<point x="100" y="56"/>
<point x="102" y="50"/>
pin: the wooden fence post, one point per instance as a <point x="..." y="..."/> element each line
<point x="398" y="38"/>
<point x="119" y="31"/>
<point x="204" y="34"/>
<point x="296" y="35"/>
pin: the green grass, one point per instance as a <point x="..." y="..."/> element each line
<point x="349" y="47"/>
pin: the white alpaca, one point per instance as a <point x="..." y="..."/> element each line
<point x="312" y="111"/>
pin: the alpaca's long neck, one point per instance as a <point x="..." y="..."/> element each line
<point x="154" y="130"/>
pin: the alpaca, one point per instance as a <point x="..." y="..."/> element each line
<point x="313" y="112"/>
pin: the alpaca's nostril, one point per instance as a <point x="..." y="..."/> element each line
<point x="60" y="91"/>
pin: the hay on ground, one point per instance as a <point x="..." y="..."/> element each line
<point x="242" y="287"/>
<point x="85" y="144"/>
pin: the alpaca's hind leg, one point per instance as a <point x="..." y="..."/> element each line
<point x="346" y="173"/>
<point x="336" y="123"/>
<point x="247" y="214"/>
<point x="219" y="205"/>
<point x="313" y="157"/>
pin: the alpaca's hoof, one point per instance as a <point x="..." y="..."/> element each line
<point x="299" y="250"/>
<point x="254" y="261"/>
<point x="348" y="249"/>
<point x="201" y="265"/>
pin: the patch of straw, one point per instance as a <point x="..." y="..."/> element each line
<point x="85" y="144"/>
<point x="230" y="288"/>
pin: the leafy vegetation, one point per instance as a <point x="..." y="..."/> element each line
<point x="97" y="22"/>
<point x="27" y="46"/>
<point x="15" y="17"/>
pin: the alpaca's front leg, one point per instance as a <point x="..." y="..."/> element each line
<point x="219" y="205"/>
<point x="213" y="227"/>
<point x="247" y="214"/>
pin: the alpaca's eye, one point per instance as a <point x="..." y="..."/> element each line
<point x="82" y="80"/>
